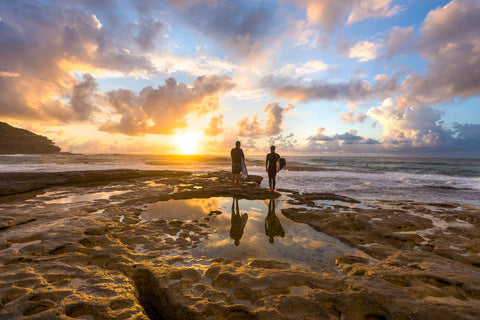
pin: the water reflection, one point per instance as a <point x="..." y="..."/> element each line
<point x="268" y="234"/>
<point x="238" y="222"/>
<point x="273" y="227"/>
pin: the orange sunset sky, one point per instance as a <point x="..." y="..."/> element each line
<point x="324" y="77"/>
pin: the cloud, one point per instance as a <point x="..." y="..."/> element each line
<point x="215" y="127"/>
<point x="274" y="117"/>
<point x="274" y="114"/>
<point x="364" y="51"/>
<point x="399" y="40"/>
<point x="162" y="110"/>
<point x="352" y="116"/>
<point x="43" y="44"/>
<point x="451" y="42"/>
<point x="196" y="66"/>
<point x="331" y="13"/>
<point x="353" y="90"/>
<point x="7" y="74"/>
<point x="82" y="96"/>
<point x="250" y="128"/>
<point x="418" y="129"/>
<point x="304" y="35"/>
<point x="284" y="143"/>
<point x="241" y="26"/>
<point x="372" y="9"/>
<point x="348" y="142"/>
<point x="411" y="125"/>
<point x="300" y="71"/>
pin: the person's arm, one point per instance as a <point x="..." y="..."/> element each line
<point x="266" y="164"/>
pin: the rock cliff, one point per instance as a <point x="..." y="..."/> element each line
<point x="15" y="140"/>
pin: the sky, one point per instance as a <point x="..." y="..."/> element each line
<point x="312" y="77"/>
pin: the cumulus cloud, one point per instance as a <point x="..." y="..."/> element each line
<point x="250" y="128"/>
<point x="451" y="42"/>
<point x="43" y="43"/>
<point x="274" y="117"/>
<point x="274" y="114"/>
<point x="418" y="129"/>
<point x="81" y="99"/>
<point x="284" y="143"/>
<point x="162" y="110"/>
<point x="348" y="142"/>
<point x="352" y="115"/>
<point x="363" y="51"/>
<point x="399" y="40"/>
<point x="331" y="13"/>
<point x="241" y="26"/>
<point x="215" y="127"/>
<point x="407" y="124"/>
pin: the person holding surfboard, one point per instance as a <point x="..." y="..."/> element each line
<point x="237" y="160"/>
<point x="271" y="167"/>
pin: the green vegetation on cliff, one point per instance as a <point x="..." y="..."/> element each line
<point x="16" y="140"/>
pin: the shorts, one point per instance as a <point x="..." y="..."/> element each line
<point x="236" y="167"/>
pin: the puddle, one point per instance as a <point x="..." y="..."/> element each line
<point x="254" y="229"/>
<point x="191" y="209"/>
<point x="332" y="204"/>
<point x="65" y="197"/>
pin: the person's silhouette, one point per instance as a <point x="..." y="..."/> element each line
<point x="238" y="222"/>
<point x="273" y="228"/>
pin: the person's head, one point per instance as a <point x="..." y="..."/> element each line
<point x="272" y="148"/>
<point x="237" y="144"/>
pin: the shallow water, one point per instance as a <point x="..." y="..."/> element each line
<point x="258" y="230"/>
<point x="363" y="178"/>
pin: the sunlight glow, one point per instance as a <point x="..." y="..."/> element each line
<point x="187" y="142"/>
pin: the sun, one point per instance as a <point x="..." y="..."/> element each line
<point x="187" y="142"/>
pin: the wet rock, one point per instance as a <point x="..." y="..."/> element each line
<point x="99" y="260"/>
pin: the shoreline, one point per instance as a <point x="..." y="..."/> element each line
<point x="97" y="258"/>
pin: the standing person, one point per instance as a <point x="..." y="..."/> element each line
<point x="271" y="167"/>
<point x="237" y="155"/>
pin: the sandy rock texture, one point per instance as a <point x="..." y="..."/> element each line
<point x="96" y="258"/>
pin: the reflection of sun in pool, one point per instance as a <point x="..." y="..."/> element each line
<point x="187" y="142"/>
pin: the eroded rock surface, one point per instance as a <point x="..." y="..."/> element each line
<point x="94" y="257"/>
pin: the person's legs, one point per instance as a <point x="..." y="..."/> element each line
<point x="271" y="180"/>
<point x="235" y="178"/>
<point x="236" y="169"/>
<point x="237" y="181"/>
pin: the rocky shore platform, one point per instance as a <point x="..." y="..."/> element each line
<point x="77" y="246"/>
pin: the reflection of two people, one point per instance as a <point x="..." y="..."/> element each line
<point x="273" y="228"/>
<point x="238" y="222"/>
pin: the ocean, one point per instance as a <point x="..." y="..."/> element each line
<point x="363" y="178"/>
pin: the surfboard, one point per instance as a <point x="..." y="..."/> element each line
<point x="281" y="163"/>
<point x="244" y="169"/>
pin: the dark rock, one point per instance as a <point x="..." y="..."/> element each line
<point x="20" y="141"/>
